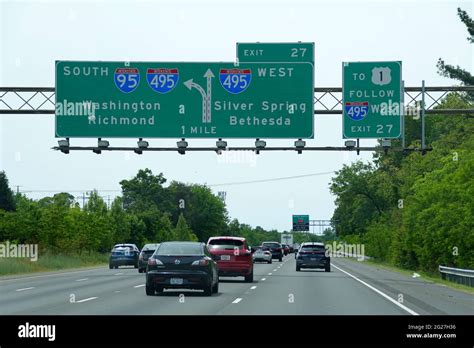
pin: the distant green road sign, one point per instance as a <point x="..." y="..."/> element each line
<point x="275" y="52"/>
<point x="300" y="222"/>
<point x="190" y="100"/>
<point x="371" y="97"/>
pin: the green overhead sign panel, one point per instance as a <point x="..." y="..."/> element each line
<point x="189" y="100"/>
<point x="372" y="99"/>
<point x="300" y="222"/>
<point x="275" y="52"/>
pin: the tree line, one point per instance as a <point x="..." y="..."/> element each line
<point x="147" y="211"/>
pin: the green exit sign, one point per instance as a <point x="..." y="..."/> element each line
<point x="184" y="100"/>
<point x="372" y="99"/>
<point x="300" y="222"/>
<point x="275" y="52"/>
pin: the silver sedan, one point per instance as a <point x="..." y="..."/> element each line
<point x="262" y="255"/>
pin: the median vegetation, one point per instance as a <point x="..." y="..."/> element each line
<point x="51" y="262"/>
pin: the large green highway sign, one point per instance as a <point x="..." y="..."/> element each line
<point x="275" y="52"/>
<point x="300" y="222"/>
<point x="174" y="100"/>
<point x="371" y="96"/>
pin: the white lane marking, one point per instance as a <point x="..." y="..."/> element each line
<point x="253" y="287"/>
<point x="237" y="300"/>
<point x="53" y="275"/>
<point x="118" y="273"/>
<point x="139" y="286"/>
<point x="263" y="279"/>
<point x="275" y="270"/>
<point x="86" y="299"/>
<point x="412" y="312"/>
<point x="24" y="289"/>
<point x="270" y="273"/>
<point x="81" y="280"/>
<point x="117" y="291"/>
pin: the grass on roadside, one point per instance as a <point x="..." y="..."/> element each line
<point x="50" y="262"/>
<point x="423" y="275"/>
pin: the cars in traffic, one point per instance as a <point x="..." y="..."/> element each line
<point x="313" y="255"/>
<point x="145" y="253"/>
<point x="124" y="255"/>
<point x="233" y="256"/>
<point x="275" y="248"/>
<point x="182" y="265"/>
<point x="262" y="254"/>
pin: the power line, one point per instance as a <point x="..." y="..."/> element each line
<point x="213" y="185"/>
<point x="273" y="179"/>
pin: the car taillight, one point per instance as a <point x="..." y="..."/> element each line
<point x="202" y="262"/>
<point x="154" y="262"/>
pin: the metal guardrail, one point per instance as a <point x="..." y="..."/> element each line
<point x="458" y="275"/>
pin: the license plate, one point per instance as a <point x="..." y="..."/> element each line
<point x="176" y="281"/>
<point x="313" y="259"/>
<point x="225" y="257"/>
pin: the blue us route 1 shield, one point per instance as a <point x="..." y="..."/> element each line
<point x="235" y="81"/>
<point x="127" y="79"/>
<point x="357" y="110"/>
<point x="162" y="80"/>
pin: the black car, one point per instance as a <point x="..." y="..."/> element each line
<point x="312" y="255"/>
<point x="276" y="249"/>
<point x="124" y="255"/>
<point x="147" y="251"/>
<point x="182" y="265"/>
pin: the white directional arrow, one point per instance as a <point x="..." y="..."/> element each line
<point x="209" y="75"/>
<point x="191" y="84"/>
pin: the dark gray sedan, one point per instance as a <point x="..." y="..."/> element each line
<point x="182" y="265"/>
<point x="147" y="251"/>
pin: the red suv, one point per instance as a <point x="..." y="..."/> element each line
<point x="233" y="257"/>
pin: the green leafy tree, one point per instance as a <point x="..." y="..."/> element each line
<point x="7" y="201"/>
<point x="182" y="231"/>
<point x="456" y="72"/>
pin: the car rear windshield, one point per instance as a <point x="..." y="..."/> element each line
<point x="121" y="249"/>
<point x="313" y="248"/>
<point x="271" y="245"/>
<point x="180" y="249"/>
<point x="150" y="247"/>
<point x="225" y="244"/>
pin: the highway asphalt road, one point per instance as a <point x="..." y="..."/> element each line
<point x="350" y="288"/>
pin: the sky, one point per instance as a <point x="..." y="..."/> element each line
<point x="34" y="34"/>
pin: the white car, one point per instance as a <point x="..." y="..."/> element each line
<point x="263" y="255"/>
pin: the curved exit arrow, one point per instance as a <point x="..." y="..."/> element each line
<point x="206" y="97"/>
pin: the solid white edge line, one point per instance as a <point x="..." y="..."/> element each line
<point x="412" y="312"/>
<point x="86" y="299"/>
<point x="24" y="289"/>
<point x="237" y="300"/>
<point x="139" y="286"/>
